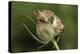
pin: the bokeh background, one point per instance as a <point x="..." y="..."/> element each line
<point x="22" y="41"/>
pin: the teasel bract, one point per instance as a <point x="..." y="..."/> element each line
<point x="46" y="31"/>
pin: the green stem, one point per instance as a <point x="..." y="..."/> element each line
<point x="55" y="44"/>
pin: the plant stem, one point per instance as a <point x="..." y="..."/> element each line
<point x="55" y="44"/>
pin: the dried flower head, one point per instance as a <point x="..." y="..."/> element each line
<point x="46" y="31"/>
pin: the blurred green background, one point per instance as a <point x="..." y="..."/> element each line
<point x="22" y="41"/>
